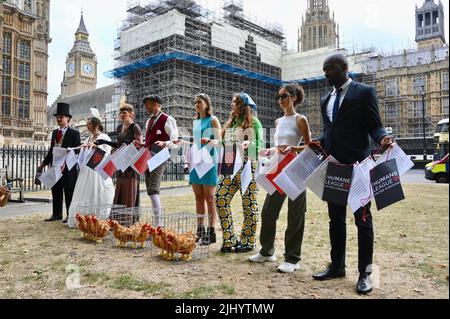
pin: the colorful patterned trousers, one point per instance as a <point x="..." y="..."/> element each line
<point x="224" y="195"/>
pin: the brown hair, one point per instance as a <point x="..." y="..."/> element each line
<point x="295" y="90"/>
<point x="97" y="123"/>
<point x="242" y="111"/>
<point x="208" y="102"/>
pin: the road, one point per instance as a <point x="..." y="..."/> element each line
<point x="29" y="208"/>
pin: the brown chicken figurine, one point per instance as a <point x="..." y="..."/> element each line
<point x="171" y="243"/>
<point x="136" y="234"/>
<point x="91" y="228"/>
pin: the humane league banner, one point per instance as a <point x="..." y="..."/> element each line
<point x="386" y="185"/>
<point x="96" y="158"/>
<point x="337" y="184"/>
<point x="228" y="160"/>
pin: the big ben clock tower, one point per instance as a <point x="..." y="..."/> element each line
<point x="81" y="65"/>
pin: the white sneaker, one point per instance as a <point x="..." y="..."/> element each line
<point x="288" y="268"/>
<point x="258" y="258"/>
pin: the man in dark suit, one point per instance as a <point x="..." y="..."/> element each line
<point x="64" y="137"/>
<point x="350" y="116"/>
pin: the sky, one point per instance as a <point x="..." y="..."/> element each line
<point x="387" y="25"/>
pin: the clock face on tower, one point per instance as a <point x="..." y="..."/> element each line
<point x="71" y="68"/>
<point x="88" y="68"/>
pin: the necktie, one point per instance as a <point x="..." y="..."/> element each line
<point x="59" y="136"/>
<point x="337" y="104"/>
<point x="149" y="129"/>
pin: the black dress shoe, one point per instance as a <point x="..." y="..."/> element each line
<point x="65" y="221"/>
<point x="329" y="274"/>
<point x="53" y="219"/>
<point x="243" y="249"/>
<point x="364" y="285"/>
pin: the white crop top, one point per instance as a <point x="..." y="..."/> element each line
<point x="288" y="133"/>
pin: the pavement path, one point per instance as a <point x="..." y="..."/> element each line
<point x="13" y="210"/>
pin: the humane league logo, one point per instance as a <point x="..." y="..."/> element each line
<point x="337" y="184"/>
<point x="96" y="158"/>
<point x="386" y="184"/>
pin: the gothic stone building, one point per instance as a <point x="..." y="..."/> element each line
<point x="24" y="56"/>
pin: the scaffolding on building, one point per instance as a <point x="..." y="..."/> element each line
<point x="191" y="58"/>
<point x="185" y="62"/>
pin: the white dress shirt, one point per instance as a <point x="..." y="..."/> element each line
<point x="333" y="95"/>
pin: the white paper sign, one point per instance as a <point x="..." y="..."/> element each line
<point x="302" y="167"/>
<point x="59" y="156"/>
<point x="246" y="177"/>
<point x="71" y="160"/>
<point x="291" y="189"/>
<point x="266" y="167"/>
<point x="122" y="160"/>
<point x="99" y="168"/>
<point x="367" y="165"/>
<point x="81" y="156"/>
<point x="87" y="155"/>
<point x="238" y="163"/>
<point x="195" y="156"/>
<point x="404" y="162"/>
<point x="159" y="159"/>
<point x="50" y="177"/>
<point x="316" y="181"/>
<point x="206" y="164"/>
<point x="361" y="190"/>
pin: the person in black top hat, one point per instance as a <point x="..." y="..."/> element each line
<point x="64" y="137"/>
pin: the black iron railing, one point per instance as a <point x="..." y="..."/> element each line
<point x="23" y="161"/>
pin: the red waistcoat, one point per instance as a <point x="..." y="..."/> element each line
<point x="158" y="133"/>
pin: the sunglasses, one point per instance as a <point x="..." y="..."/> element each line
<point x="282" y="96"/>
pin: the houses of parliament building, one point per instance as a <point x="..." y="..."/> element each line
<point x="24" y="39"/>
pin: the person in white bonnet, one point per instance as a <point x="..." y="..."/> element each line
<point x="91" y="189"/>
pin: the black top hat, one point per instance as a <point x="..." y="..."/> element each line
<point x="63" y="109"/>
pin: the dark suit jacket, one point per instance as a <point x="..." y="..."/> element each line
<point x="72" y="138"/>
<point x="347" y="139"/>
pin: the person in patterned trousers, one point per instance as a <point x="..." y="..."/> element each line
<point x="244" y="131"/>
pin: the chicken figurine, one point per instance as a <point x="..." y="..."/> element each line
<point x="124" y="235"/>
<point x="140" y="234"/>
<point x="171" y="243"/>
<point x="101" y="229"/>
<point x="82" y="226"/>
<point x="91" y="228"/>
<point x="186" y="244"/>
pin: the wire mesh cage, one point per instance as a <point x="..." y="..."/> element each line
<point x="130" y="227"/>
<point x="93" y="220"/>
<point x="178" y="240"/>
<point x="172" y="237"/>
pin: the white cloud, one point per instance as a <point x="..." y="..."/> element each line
<point x="384" y="24"/>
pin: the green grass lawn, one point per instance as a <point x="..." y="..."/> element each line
<point x="411" y="258"/>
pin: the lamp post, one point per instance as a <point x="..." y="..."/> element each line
<point x="423" y="93"/>
<point x="114" y="119"/>
<point x="127" y="94"/>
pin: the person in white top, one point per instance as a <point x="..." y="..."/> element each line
<point x="91" y="189"/>
<point x="291" y="130"/>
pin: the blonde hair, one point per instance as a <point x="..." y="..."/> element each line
<point x="127" y="107"/>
